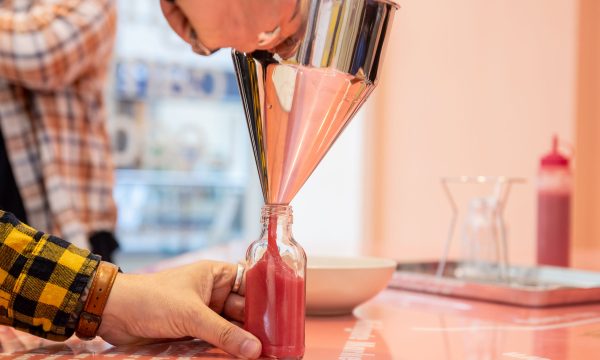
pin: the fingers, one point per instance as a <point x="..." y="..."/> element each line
<point x="242" y="288"/>
<point x="229" y="273"/>
<point x="289" y="24"/>
<point x="176" y="19"/>
<point x="234" y="307"/>
<point x="270" y="24"/>
<point x="223" y="334"/>
<point x="274" y="29"/>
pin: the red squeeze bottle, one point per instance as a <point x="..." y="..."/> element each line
<point x="275" y="287"/>
<point x="554" y="209"/>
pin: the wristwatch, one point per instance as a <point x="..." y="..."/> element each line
<point x="91" y="315"/>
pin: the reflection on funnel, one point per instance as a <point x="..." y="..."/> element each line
<point x="298" y="104"/>
<point x="305" y="109"/>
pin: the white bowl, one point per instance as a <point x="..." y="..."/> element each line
<point x="336" y="285"/>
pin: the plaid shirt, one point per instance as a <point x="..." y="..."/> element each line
<point x="42" y="278"/>
<point x="54" y="56"/>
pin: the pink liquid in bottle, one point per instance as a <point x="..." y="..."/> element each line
<point x="554" y="209"/>
<point x="553" y="228"/>
<point x="275" y="302"/>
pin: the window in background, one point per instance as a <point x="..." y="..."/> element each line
<point x="179" y="137"/>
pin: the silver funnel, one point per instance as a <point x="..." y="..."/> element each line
<point x="300" y="97"/>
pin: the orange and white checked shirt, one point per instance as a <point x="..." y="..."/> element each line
<point x="54" y="57"/>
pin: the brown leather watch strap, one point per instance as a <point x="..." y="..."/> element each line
<point x="91" y="315"/>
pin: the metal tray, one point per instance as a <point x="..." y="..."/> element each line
<point x="525" y="286"/>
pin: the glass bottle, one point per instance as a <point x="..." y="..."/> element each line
<point x="275" y="286"/>
<point x="554" y="209"/>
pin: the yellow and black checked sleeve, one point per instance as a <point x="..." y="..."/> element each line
<point x="42" y="278"/>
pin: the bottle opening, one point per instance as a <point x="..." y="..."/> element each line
<point x="283" y="212"/>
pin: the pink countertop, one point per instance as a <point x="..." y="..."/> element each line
<point x="394" y="325"/>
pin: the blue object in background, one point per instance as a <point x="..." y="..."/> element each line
<point x="139" y="80"/>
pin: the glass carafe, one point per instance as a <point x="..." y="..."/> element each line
<point x="275" y="286"/>
<point x="481" y="240"/>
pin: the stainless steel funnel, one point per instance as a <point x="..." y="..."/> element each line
<point x="299" y="98"/>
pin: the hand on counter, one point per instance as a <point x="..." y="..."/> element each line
<point x="193" y="300"/>
<point x="243" y="25"/>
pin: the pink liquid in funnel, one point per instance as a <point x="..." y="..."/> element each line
<point x="275" y="303"/>
<point x="305" y="110"/>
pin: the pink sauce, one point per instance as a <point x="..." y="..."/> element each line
<point x="553" y="228"/>
<point x="275" y="303"/>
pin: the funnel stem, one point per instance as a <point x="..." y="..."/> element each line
<point x="272" y="236"/>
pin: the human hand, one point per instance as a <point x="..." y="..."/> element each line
<point x="246" y="25"/>
<point x="178" y="303"/>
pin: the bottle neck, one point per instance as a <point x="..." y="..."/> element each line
<point x="281" y="214"/>
<point x="276" y="222"/>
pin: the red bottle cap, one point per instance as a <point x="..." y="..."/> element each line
<point x="554" y="158"/>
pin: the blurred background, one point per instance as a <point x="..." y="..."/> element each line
<point x="468" y="88"/>
<point x="186" y="177"/>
